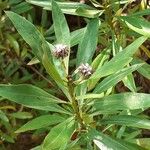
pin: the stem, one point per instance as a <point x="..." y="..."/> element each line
<point x="75" y="103"/>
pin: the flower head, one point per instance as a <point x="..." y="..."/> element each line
<point x="61" y="50"/>
<point x="85" y="70"/>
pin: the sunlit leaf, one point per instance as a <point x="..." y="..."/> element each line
<point x="41" y="122"/>
<point x="59" y="135"/>
<point x="105" y="142"/>
<point x="144" y="70"/>
<point x="88" y="44"/>
<point x="30" y="96"/>
<point x="76" y="36"/>
<point x="138" y="25"/>
<point x="113" y="79"/>
<point x="122" y="101"/>
<point x="72" y="8"/>
<point x="127" y="120"/>
<point x="21" y="115"/>
<point x="118" y="62"/>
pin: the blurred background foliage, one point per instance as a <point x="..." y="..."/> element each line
<point x="18" y="65"/>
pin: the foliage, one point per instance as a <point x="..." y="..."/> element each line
<point x="86" y="112"/>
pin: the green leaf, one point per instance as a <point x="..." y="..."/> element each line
<point x="60" y="25"/>
<point x="88" y="44"/>
<point x="113" y="79"/>
<point x="3" y="116"/>
<point x="29" y="33"/>
<point x="35" y="39"/>
<point x="143" y="142"/>
<point x="59" y="135"/>
<point x="51" y="70"/>
<point x="21" y="7"/>
<point x="123" y="101"/>
<point x="61" y="29"/>
<point x="21" y="115"/>
<point x="97" y="63"/>
<point x="131" y="135"/>
<point x="76" y="36"/>
<point x="141" y="13"/>
<point x="87" y="49"/>
<point x="131" y="49"/>
<point x="127" y="120"/>
<point x="7" y="138"/>
<point x="129" y="82"/>
<point x="90" y="96"/>
<point x="144" y="70"/>
<point x="104" y="142"/>
<point x="14" y="44"/>
<point x="33" y="61"/>
<point x="30" y="96"/>
<point x="41" y="122"/>
<point x="138" y="25"/>
<point x="101" y="59"/>
<point x="109" y="68"/>
<point x="72" y="8"/>
<point x="90" y="13"/>
<point x="118" y="62"/>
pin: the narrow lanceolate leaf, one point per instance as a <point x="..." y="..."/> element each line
<point x="60" y="25"/>
<point x="29" y="33"/>
<point x="113" y="79"/>
<point x="76" y="36"/>
<point x="144" y="70"/>
<point x="143" y="142"/>
<point x="109" y="68"/>
<point x="90" y="96"/>
<point x="131" y="49"/>
<point x="61" y="29"/>
<point x="30" y="96"/>
<point x="127" y="120"/>
<point x="138" y="25"/>
<point x="105" y="142"/>
<point x="41" y="122"/>
<point x="50" y="68"/>
<point x="141" y="13"/>
<point x="35" y="39"/>
<point x="72" y="8"/>
<point x="59" y="135"/>
<point x="91" y="13"/>
<point x="115" y="63"/>
<point x="21" y="115"/>
<point x="20" y="7"/>
<point x="123" y="101"/>
<point x="88" y="44"/>
<point x="129" y="82"/>
<point x="97" y="63"/>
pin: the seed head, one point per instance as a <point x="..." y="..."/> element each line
<point x="61" y="51"/>
<point x="85" y="70"/>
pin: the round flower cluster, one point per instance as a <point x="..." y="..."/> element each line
<point x="61" y="51"/>
<point x="85" y="70"/>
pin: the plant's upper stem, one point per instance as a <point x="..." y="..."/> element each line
<point x="75" y="103"/>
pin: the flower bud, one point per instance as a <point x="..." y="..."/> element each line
<point x="85" y="70"/>
<point x="61" y="51"/>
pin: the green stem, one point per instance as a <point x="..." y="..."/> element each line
<point x="75" y="103"/>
